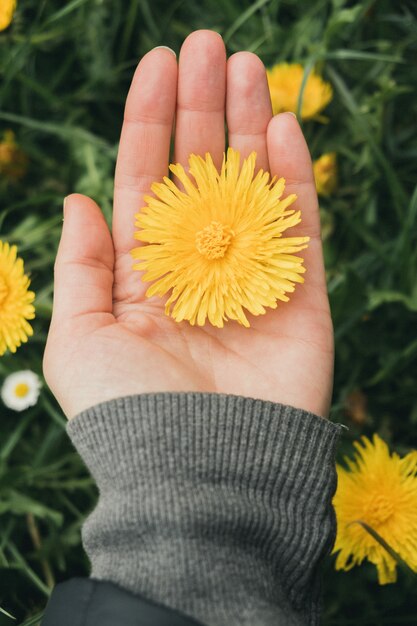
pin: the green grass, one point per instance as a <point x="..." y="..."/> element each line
<point x="64" y="74"/>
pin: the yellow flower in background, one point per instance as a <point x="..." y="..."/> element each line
<point x="381" y="491"/>
<point x="15" y="300"/>
<point x="325" y="174"/>
<point x="218" y="244"/>
<point x="13" y="161"/>
<point x="285" y="80"/>
<point x="7" y="8"/>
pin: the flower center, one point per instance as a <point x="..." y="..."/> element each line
<point x="213" y="240"/>
<point x="3" y="289"/>
<point x="21" y="390"/>
<point x="378" y="510"/>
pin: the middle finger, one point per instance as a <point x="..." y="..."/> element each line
<point x="200" y="116"/>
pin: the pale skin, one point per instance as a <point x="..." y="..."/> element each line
<point x="106" y="339"/>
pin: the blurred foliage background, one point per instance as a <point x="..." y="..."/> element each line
<point x="65" y="69"/>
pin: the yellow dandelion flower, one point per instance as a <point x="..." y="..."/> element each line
<point x="15" y="300"/>
<point x="325" y="174"/>
<point x="218" y="243"/>
<point x="285" y="81"/>
<point x="7" y="9"/>
<point x="381" y="491"/>
<point x="13" y="161"/>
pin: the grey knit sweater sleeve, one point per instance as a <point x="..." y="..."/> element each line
<point x="216" y="505"/>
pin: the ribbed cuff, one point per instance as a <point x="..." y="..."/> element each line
<point x="216" y="505"/>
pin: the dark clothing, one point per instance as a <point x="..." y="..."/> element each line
<point x="87" y="602"/>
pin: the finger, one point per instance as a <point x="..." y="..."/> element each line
<point x="145" y="141"/>
<point x="248" y="106"/>
<point x="200" y="116"/>
<point x="289" y="158"/>
<point x="83" y="272"/>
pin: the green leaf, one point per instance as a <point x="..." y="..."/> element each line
<point x="10" y="443"/>
<point x="359" y="55"/>
<point x="379" y="297"/>
<point x="18" y="503"/>
<point x="65" y="132"/>
<point x="33" y="621"/>
<point x="243" y="18"/>
<point x="21" y="565"/>
<point x="71" y="6"/>
<point x="399" y="195"/>
<point x="6" y="613"/>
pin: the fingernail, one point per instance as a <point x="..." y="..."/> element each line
<point x="166" y="48"/>
<point x="65" y="202"/>
<point x="293" y="114"/>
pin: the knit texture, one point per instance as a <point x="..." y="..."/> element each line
<point x="216" y="505"/>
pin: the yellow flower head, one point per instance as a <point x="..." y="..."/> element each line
<point x="381" y="491"/>
<point x="15" y="300"/>
<point x="285" y="80"/>
<point x="325" y="174"/>
<point x="7" y="8"/>
<point x="13" y="160"/>
<point x="218" y="243"/>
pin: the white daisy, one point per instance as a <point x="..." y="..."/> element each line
<point x="21" y="390"/>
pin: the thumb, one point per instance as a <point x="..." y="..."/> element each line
<point x="83" y="271"/>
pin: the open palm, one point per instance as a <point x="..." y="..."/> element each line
<point x="106" y="339"/>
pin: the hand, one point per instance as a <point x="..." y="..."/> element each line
<point x="106" y="340"/>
